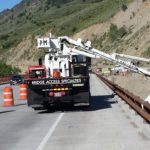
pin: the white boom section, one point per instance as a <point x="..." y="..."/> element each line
<point x="129" y="57"/>
<point x="81" y="47"/>
<point x="62" y="48"/>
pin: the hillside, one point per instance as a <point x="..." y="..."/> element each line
<point x="20" y="26"/>
<point x="135" y="20"/>
<point x="92" y="19"/>
<point x="62" y="17"/>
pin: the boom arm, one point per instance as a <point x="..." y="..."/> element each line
<point x="130" y="58"/>
<point x="86" y="49"/>
<point x="57" y="47"/>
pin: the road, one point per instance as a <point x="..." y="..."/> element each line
<point x="103" y="126"/>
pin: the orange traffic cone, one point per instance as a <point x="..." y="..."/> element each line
<point x="8" y="96"/>
<point x="23" y="91"/>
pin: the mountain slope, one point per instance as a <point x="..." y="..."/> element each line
<point x="137" y="22"/>
<point x="20" y="25"/>
<point x="62" y="17"/>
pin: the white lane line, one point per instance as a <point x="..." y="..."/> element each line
<point x="50" y="132"/>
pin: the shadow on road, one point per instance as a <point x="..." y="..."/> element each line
<point x="20" y="104"/>
<point x="6" y="111"/>
<point x="97" y="103"/>
<point x="101" y="102"/>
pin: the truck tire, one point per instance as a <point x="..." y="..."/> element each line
<point x="89" y="98"/>
<point x="37" y="108"/>
<point x="87" y="106"/>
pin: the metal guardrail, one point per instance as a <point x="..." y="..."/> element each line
<point x="6" y="79"/>
<point x="138" y="104"/>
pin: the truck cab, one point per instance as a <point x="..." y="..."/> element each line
<point x="35" y="72"/>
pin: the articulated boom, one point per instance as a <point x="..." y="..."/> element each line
<point x="65" y="47"/>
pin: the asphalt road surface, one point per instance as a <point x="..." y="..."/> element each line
<point x="101" y="127"/>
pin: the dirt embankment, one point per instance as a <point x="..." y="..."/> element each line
<point x="137" y="21"/>
<point x="22" y="55"/>
<point x="135" y="83"/>
<point x="135" y="17"/>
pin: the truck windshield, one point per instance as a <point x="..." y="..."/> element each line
<point x="36" y="73"/>
<point x="79" y="70"/>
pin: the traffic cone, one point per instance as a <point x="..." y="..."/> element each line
<point x="23" y="91"/>
<point x="8" y="96"/>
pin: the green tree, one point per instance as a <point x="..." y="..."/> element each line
<point x="113" y="32"/>
<point x="116" y="33"/>
<point x="7" y="69"/>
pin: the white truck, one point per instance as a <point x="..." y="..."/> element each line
<point x="64" y="75"/>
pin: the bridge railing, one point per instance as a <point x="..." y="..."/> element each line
<point x="6" y="79"/>
<point x="139" y="105"/>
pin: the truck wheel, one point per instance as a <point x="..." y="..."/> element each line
<point x="47" y="106"/>
<point x="88" y="106"/>
<point x="37" y="108"/>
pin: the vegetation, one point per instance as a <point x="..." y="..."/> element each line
<point x="62" y="17"/>
<point x="116" y="33"/>
<point x="7" y="69"/>
<point x="124" y="7"/>
<point x="147" y="53"/>
<point x="110" y="39"/>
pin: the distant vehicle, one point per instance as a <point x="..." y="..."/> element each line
<point x="16" y="79"/>
<point x="117" y="69"/>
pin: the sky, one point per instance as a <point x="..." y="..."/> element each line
<point x="4" y="4"/>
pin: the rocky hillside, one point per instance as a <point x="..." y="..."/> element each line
<point x="20" y="26"/>
<point x="36" y="17"/>
<point x="126" y="32"/>
<point x="121" y="26"/>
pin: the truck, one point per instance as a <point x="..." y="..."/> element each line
<point x="63" y="75"/>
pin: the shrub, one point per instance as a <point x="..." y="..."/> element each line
<point x="28" y="3"/>
<point x="7" y="69"/>
<point x="124" y="7"/>
<point x="22" y="14"/>
<point x="122" y="32"/>
<point x="58" y="6"/>
<point x="115" y="33"/>
<point x="95" y="1"/>
<point x="4" y="37"/>
<point x="9" y="43"/>
<point x="74" y="29"/>
<point x="147" y="53"/>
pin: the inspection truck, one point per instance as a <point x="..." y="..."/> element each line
<point x="63" y="75"/>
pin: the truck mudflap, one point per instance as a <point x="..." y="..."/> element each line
<point x="37" y="99"/>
